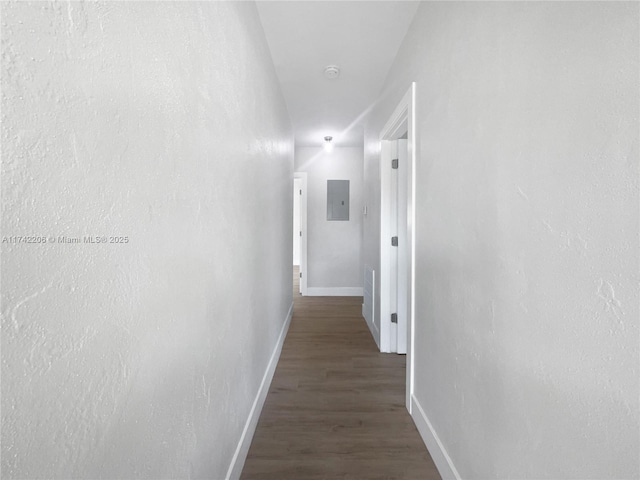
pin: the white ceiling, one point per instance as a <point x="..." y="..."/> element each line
<point x="361" y="37"/>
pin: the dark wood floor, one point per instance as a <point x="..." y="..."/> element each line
<point x="335" y="409"/>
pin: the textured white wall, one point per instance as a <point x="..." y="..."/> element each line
<point x="162" y="122"/>
<point x="527" y="233"/>
<point x="334" y="247"/>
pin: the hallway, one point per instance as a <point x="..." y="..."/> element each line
<point x="149" y="153"/>
<point x="335" y="408"/>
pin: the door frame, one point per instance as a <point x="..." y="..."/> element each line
<point x="296" y="234"/>
<point x="303" y="228"/>
<point x="401" y="120"/>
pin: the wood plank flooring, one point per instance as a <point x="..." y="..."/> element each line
<point x="335" y="409"/>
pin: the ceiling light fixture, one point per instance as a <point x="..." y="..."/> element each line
<point x="328" y="146"/>
<point x="332" y="72"/>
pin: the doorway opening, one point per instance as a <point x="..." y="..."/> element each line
<point x="300" y="229"/>
<point x="397" y="241"/>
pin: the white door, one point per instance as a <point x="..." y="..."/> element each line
<point x="394" y="254"/>
<point x="297" y="228"/>
<point x="403" y="280"/>
<point x="398" y="279"/>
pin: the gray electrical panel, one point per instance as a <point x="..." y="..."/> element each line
<point x="337" y="199"/>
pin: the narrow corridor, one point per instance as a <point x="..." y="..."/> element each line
<point x="149" y="151"/>
<point x="335" y="408"/>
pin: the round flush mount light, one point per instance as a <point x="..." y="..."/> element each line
<point x="328" y="146"/>
<point x="332" y="72"/>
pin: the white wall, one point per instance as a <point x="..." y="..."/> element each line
<point x="527" y="233"/>
<point x="162" y="122"/>
<point x="334" y="262"/>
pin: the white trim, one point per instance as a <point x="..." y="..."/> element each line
<point x="402" y="119"/>
<point x="402" y="254"/>
<point x="240" y="455"/>
<point x="371" y="317"/>
<point x="412" y="147"/>
<point x="335" y="291"/>
<point x="374" y="330"/>
<point x="303" y="227"/>
<point x="441" y="458"/>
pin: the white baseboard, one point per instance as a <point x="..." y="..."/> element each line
<point x="375" y="332"/>
<point x="334" y="291"/>
<point x="242" y="449"/>
<point x="440" y="457"/>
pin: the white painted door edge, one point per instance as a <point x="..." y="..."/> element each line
<point x="303" y="228"/>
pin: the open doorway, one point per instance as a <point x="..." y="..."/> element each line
<point x="300" y="231"/>
<point x="397" y="241"/>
